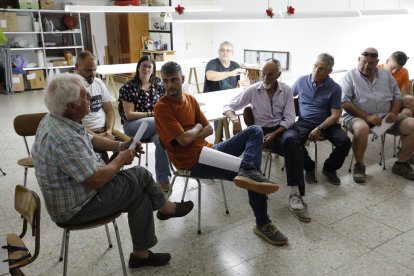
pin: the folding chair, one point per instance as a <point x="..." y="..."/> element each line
<point x="26" y="125"/>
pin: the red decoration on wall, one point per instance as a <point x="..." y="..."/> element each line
<point x="179" y="9"/>
<point x="290" y="10"/>
<point x="269" y="12"/>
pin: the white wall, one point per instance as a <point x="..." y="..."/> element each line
<point x="344" y="38"/>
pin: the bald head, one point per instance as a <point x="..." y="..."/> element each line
<point x="368" y="61"/>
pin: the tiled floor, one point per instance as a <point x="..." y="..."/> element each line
<point x="356" y="229"/>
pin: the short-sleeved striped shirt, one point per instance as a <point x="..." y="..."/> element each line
<point x="63" y="159"/>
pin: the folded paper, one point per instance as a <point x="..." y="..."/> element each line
<point x="219" y="159"/>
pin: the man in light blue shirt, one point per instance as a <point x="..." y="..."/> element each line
<point x="369" y="95"/>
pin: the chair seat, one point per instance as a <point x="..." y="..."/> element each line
<point x="91" y="224"/>
<point x="15" y="240"/>
<point x="26" y="162"/>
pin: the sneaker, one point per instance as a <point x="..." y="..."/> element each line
<point x="154" y="259"/>
<point x="332" y="177"/>
<point x="403" y="169"/>
<point x="310" y="176"/>
<point x="271" y="234"/>
<point x="295" y="202"/>
<point x="252" y="180"/>
<point x="359" y="173"/>
<point x="303" y="215"/>
<point x="165" y="187"/>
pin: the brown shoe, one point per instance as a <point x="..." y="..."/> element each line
<point x="154" y="259"/>
<point x="404" y="170"/>
<point x="359" y="173"/>
<point x="181" y="209"/>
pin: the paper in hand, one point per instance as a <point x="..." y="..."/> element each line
<point x="142" y="128"/>
<point x="380" y="130"/>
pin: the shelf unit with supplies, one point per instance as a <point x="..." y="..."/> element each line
<point x="48" y="40"/>
<point x="158" y="55"/>
<point x="159" y="30"/>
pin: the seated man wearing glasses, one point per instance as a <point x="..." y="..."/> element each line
<point x="370" y="94"/>
<point x="222" y="73"/>
<point x="319" y="112"/>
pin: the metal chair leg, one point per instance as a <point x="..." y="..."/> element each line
<point x="65" y="261"/>
<point x="383" y="150"/>
<point x="1" y="170"/>
<point x="62" y="247"/>
<point x="172" y="185"/>
<point x="25" y="176"/>
<point x="146" y="155"/>
<point x="316" y="160"/>
<point x="108" y="236"/>
<point x="224" y="197"/>
<point x="350" y="164"/>
<point x="185" y="189"/>
<point x="121" y="253"/>
<point x="199" y="206"/>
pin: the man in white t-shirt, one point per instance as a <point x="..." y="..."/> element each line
<point x="101" y="118"/>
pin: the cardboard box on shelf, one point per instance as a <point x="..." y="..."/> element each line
<point x="8" y="21"/>
<point x="47" y="5"/>
<point x="29" y="4"/>
<point x="17" y="83"/>
<point x="59" y="62"/>
<point x="35" y="79"/>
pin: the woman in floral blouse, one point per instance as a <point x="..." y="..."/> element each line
<point x="136" y="105"/>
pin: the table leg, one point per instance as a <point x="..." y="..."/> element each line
<point x="196" y="79"/>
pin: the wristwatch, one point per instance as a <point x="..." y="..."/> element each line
<point x="320" y="129"/>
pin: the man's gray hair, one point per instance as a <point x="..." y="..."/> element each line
<point x="276" y="62"/>
<point x="327" y="59"/>
<point x="61" y="90"/>
<point x="226" y="43"/>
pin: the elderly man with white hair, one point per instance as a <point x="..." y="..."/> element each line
<point x="78" y="187"/>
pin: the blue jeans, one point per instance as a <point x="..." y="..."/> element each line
<point x="162" y="166"/>
<point x="249" y="142"/>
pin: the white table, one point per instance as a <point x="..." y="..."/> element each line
<point x="212" y="103"/>
<point x="112" y="69"/>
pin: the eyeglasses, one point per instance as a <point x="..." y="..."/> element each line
<point x="146" y="66"/>
<point x="367" y="54"/>
<point x="226" y="50"/>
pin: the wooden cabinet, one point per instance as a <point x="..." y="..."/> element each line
<point x="124" y="35"/>
<point x="159" y="55"/>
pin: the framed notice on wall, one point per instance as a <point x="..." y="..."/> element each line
<point x="259" y="57"/>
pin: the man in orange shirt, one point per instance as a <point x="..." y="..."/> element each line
<point x="182" y="129"/>
<point x="395" y="65"/>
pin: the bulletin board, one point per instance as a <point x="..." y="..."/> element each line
<point x="259" y="57"/>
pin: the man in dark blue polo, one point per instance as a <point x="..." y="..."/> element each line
<point x="319" y="112"/>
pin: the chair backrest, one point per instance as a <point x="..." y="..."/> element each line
<point x="248" y="116"/>
<point x="26" y="125"/>
<point x="27" y="203"/>
<point x="296" y="103"/>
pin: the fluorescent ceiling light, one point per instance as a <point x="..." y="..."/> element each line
<point x="321" y="14"/>
<point x="384" y="12"/>
<point x="220" y="17"/>
<point x="137" y="9"/>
